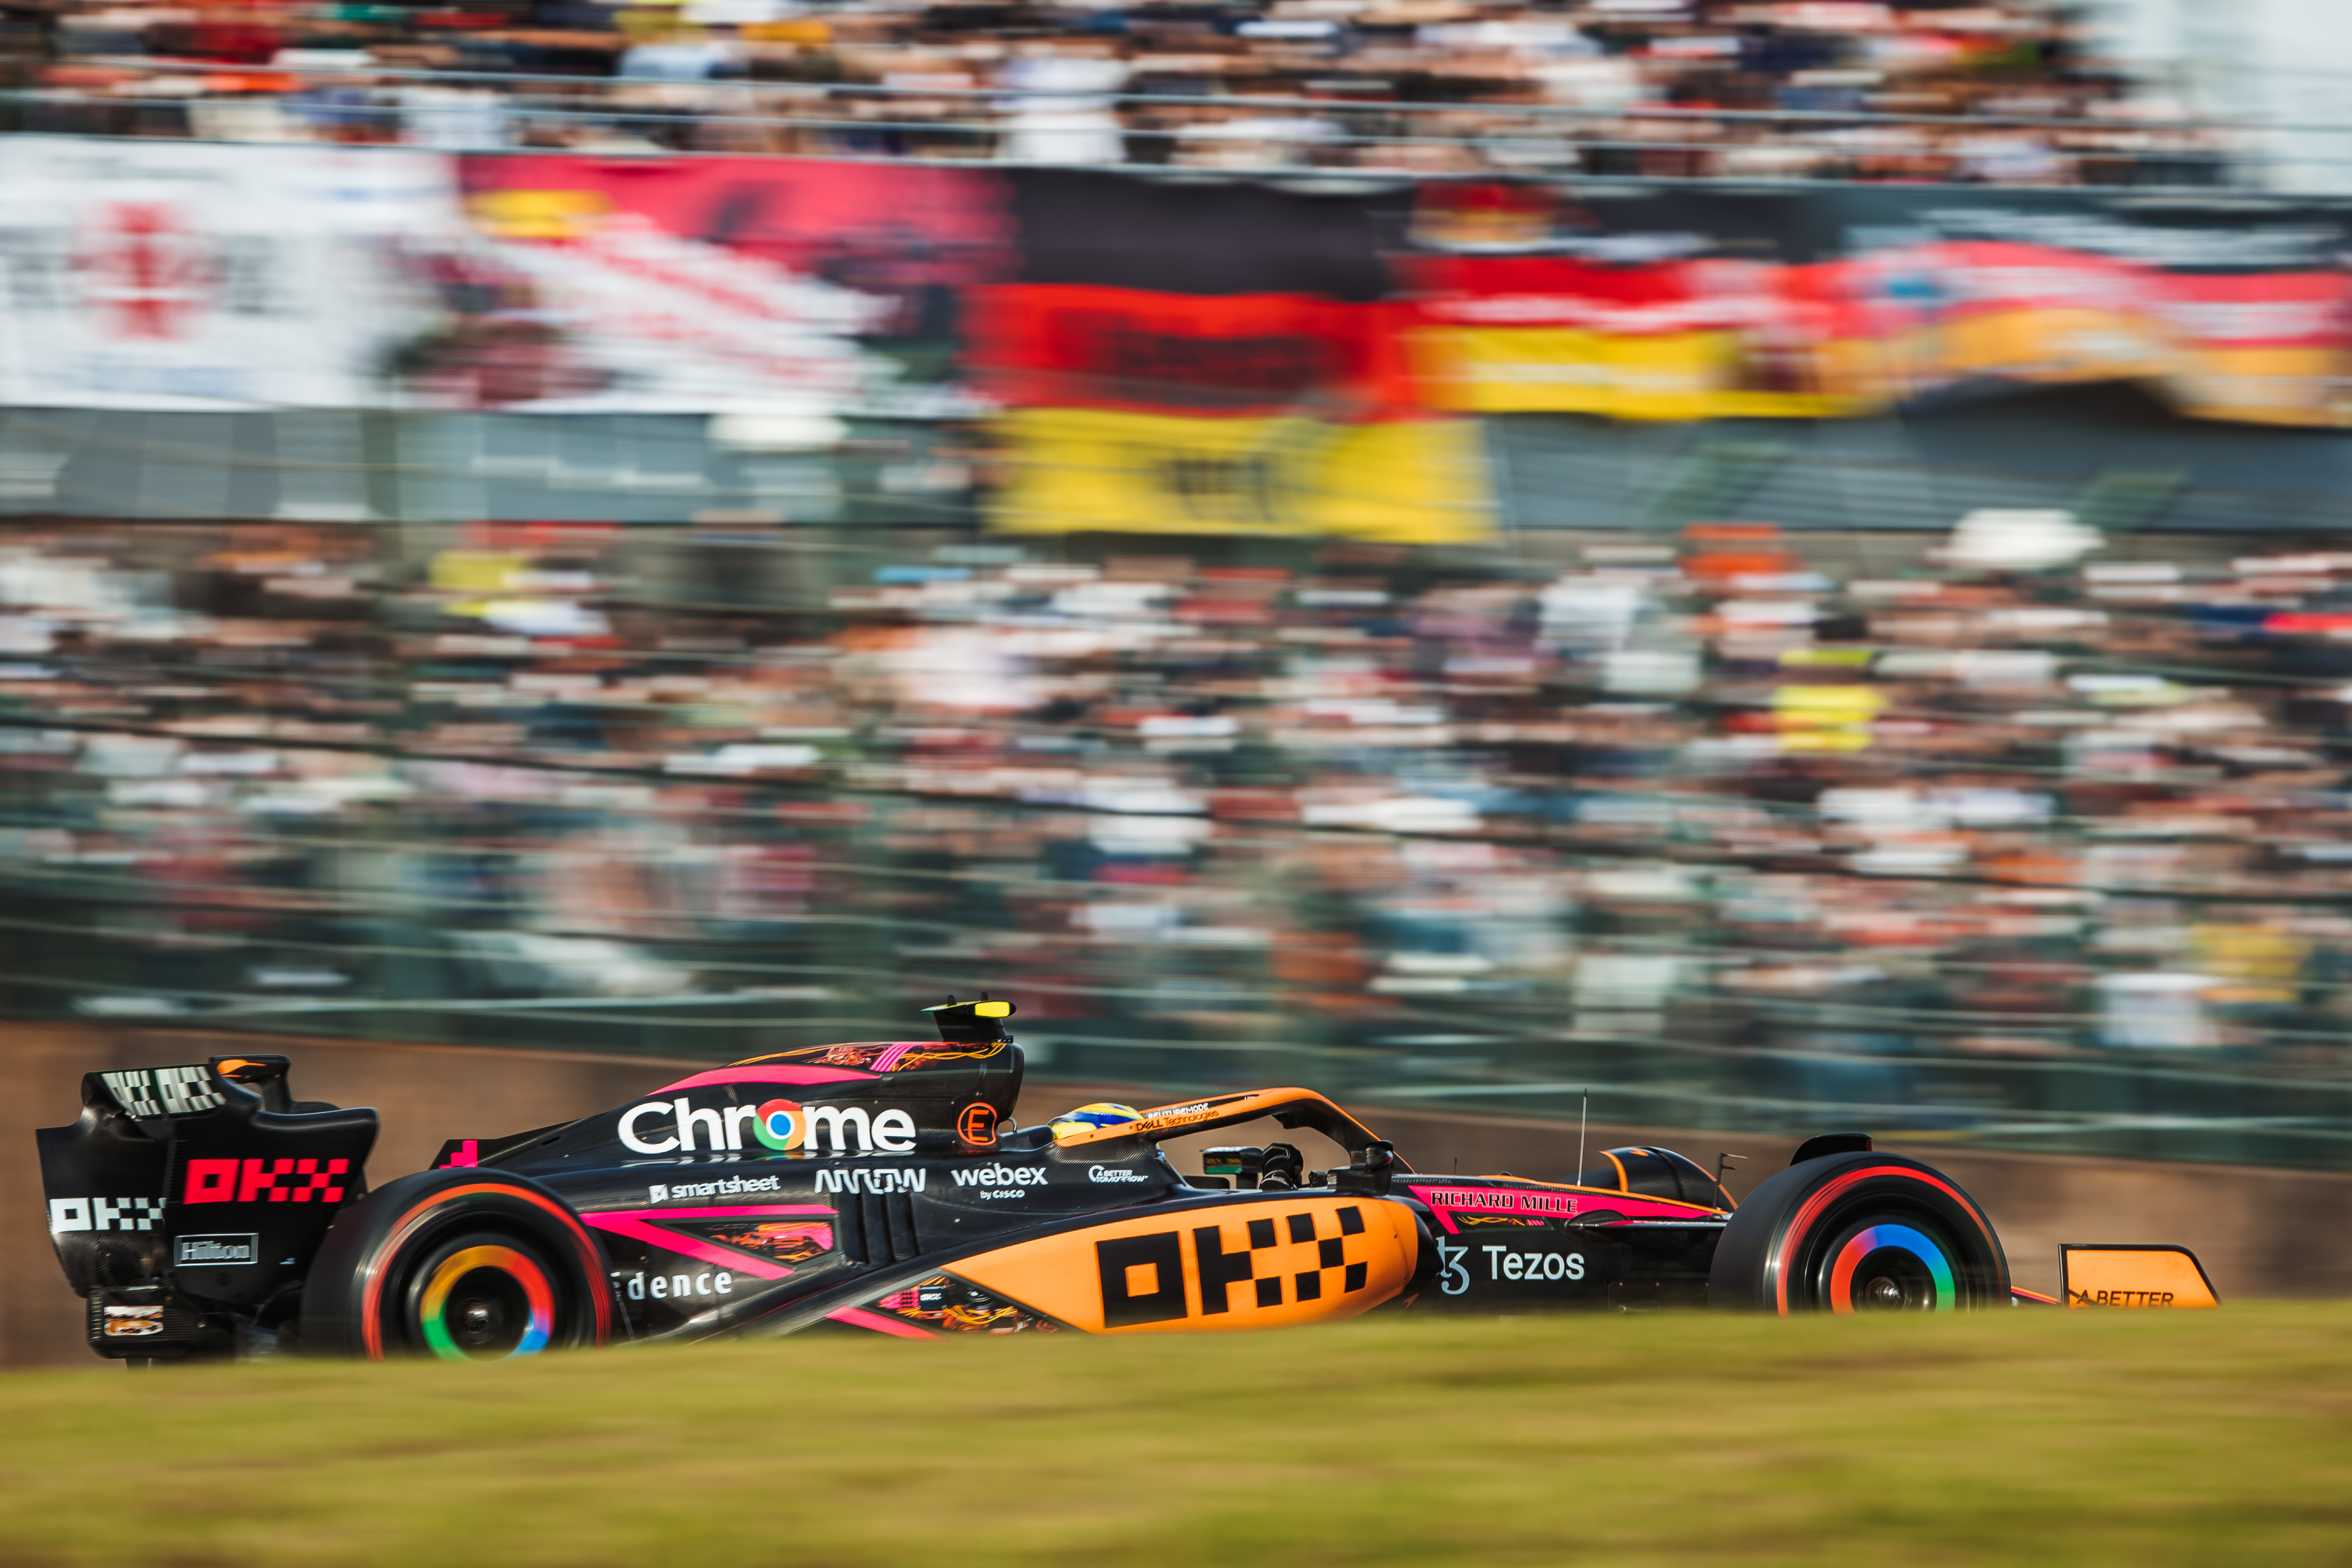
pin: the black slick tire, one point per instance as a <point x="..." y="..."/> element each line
<point x="1858" y="1232"/>
<point x="461" y="1263"/>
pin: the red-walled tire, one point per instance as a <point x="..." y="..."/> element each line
<point x="461" y="1263"/>
<point x="1857" y="1233"/>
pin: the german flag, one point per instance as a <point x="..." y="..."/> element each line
<point x="1214" y="358"/>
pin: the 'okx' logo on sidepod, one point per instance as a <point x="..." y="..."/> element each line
<point x="1143" y="1276"/>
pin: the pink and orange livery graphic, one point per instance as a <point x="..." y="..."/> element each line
<point x="1457" y="1206"/>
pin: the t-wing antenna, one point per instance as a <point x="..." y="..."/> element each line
<point x="980" y="1023"/>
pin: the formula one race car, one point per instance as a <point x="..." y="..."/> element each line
<point x="881" y="1187"/>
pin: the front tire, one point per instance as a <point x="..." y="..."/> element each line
<point x="1861" y="1232"/>
<point x="463" y="1264"/>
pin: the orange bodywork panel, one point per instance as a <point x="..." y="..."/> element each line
<point x="2134" y="1276"/>
<point x="1263" y="1262"/>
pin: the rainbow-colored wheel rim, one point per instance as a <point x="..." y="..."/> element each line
<point x="524" y="1274"/>
<point x="1897" y="1238"/>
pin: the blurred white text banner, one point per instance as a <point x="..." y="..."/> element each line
<point x="187" y="276"/>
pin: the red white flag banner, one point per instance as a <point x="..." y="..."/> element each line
<point x="172" y="275"/>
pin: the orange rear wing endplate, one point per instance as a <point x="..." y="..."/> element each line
<point x="2134" y="1276"/>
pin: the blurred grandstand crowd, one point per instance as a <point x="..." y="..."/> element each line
<point x="2003" y="92"/>
<point x="1843" y="800"/>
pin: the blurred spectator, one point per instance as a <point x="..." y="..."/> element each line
<point x="1063" y="113"/>
<point x="1844" y="828"/>
<point x="1661" y="87"/>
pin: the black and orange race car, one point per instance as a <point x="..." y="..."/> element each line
<point x="881" y="1187"/>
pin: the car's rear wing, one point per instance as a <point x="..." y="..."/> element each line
<point x="1293" y="1108"/>
<point x="185" y="1189"/>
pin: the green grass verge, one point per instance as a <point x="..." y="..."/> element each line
<point x="2013" y="1438"/>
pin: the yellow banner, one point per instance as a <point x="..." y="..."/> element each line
<point x="1710" y="374"/>
<point x="2264" y="383"/>
<point x="2272" y="384"/>
<point x="2053" y="343"/>
<point x="1076" y="469"/>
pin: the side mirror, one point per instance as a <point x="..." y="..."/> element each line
<point x="1369" y="1171"/>
<point x="1241" y="1162"/>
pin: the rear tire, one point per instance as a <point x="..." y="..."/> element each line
<point x="1858" y="1232"/>
<point x="464" y="1264"/>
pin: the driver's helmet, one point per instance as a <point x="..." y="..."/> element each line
<point x="1093" y="1118"/>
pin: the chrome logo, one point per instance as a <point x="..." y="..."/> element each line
<point x="780" y="1125"/>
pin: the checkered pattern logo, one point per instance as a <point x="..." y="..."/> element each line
<point x="1143" y="1276"/>
<point x="163" y="1091"/>
<point x="1222" y="1271"/>
<point x="103" y="1213"/>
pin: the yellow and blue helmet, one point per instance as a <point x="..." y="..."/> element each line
<point x="1093" y="1118"/>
